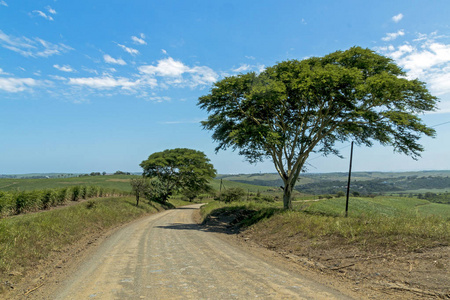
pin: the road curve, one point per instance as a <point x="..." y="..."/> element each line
<point x="168" y="256"/>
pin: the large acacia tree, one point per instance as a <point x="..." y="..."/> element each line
<point x="296" y="108"/>
<point x="179" y="169"/>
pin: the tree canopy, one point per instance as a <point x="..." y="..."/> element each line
<point x="180" y="169"/>
<point x="296" y="108"/>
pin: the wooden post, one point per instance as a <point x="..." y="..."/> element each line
<point x="348" y="183"/>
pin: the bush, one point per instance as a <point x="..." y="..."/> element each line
<point x="231" y="195"/>
<point x="75" y="193"/>
<point x="340" y="194"/>
<point x="155" y="191"/>
<point x="61" y="196"/>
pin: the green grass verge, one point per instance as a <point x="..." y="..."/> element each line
<point x="384" y="222"/>
<point x="27" y="239"/>
<point x="383" y="206"/>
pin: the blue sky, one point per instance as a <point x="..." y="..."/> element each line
<point x="100" y="85"/>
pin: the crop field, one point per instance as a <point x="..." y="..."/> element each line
<point x="118" y="182"/>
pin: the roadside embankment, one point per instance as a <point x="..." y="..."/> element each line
<point x="31" y="244"/>
<point x="402" y="256"/>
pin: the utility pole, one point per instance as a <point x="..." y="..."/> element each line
<point x="348" y="183"/>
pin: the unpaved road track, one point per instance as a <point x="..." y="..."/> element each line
<point x="168" y="256"/>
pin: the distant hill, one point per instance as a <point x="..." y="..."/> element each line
<point x="362" y="182"/>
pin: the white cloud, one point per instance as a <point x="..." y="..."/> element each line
<point x="14" y="85"/>
<point x="428" y="60"/>
<point x="3" y="3"/>
<point x="176" y="73"/>
<point x="250" y="57"/>
<point x="3" y="72"/>
<point x="393" y="35"/>
<point x="129" y="50"/>
<point x="56" y="77"/>
<point x="242" y="68"/>
<point x="34" y="47"/>
<point x="110" y="82"/>
<point x="42" y="14"/>
<point x="261" y="68"/>
<point x="90" y="70"/>
<point x="202" y="76"/>
<point x="163" y="51"/>
<point x="65" y="68"/>
<point x="397" y="18"/>
<point x="104" y="82"/>
<point x="165" y="67"/>
<point x="159" y="99"/>
<point x="111" y="60"/>
<point x="51" y="10"/>
<point x="139" y="41"/>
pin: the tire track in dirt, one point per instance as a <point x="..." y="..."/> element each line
<point x="168" y="256"/>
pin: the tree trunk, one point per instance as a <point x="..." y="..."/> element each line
<point x="287" y="196"/>
<point x="137" y="199"/>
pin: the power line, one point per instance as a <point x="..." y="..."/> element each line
<point x="320" y="156"/>
<point x="440" y="124"/>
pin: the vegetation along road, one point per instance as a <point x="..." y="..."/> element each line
<point x="169" y="256"/>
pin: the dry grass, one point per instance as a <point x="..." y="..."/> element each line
<point x="27" y="240"/>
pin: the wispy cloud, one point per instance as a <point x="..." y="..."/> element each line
<point x="427" y="59"/>
<point x="51" y="10"/>
<point x="43" y="15"/>
<point x="3" y="3"/>
<point x="14" y="85"/>
<point x="158" y="98"/>
<point x="242" y="68"/>
<point x="393" y="35"/>
<point x="176" y="73"/>
<point x="3" y="72"/>
<point x="139" y="40"/>
<point x="32" y="47"/>
<point x="165" y="67"/>
<point x="111" y="60"/>
<point x="65" y="68"/>
<point x="397" y="18"/>
<point x="128" y="49"/>
<point x="106" y="82"/>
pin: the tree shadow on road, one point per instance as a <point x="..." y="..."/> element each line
<point x="223" y="221"/>
<point x="217" y="227"/>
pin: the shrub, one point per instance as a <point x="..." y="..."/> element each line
<point x="232" y="194"/>
<point x="75" y="193"/>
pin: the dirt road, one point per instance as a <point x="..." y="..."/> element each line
<point x="168" y="256"/>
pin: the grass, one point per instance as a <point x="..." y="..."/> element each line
<point x="215" y="184"/>
<point x="383" y="206"/>
<point x="119" y="182"/>
<point x="27" y="239"/>
<point x="373" y="223"/>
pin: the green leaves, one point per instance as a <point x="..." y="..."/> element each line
<point x="298" y="107"/>
<point x="179" y="169"/>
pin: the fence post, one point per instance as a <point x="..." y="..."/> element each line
<point x="348" y="183"/>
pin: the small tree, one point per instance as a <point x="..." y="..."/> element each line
<point x="139" y="186"/>
<point x="179" y="169"/>
<point x="296" y="108"/>
<point x="155" y="191"/>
